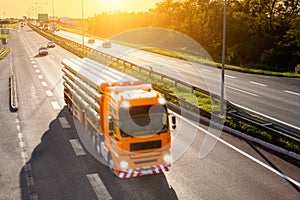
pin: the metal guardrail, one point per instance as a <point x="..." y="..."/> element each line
<point x="274" y="128"/>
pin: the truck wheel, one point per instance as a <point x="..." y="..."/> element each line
<point x="111" y="164"/>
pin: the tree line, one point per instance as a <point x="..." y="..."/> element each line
<point x="261" y="34"/>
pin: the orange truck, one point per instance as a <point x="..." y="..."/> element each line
<point x="129" y="121"/>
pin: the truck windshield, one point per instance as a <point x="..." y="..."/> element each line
<point x="143" y="120"/>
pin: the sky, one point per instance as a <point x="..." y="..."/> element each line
<point x="70" y="8"/>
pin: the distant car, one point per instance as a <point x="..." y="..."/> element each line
<point x="106" y="44"/>
<point x="43" y="51"/>
<point x="4" y="40"/>
<point x="51" y="44"/>
<point x="91" y="40"/>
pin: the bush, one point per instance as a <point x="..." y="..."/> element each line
<point x="297" y="69"/>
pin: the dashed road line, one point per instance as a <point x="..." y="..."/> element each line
<point x="49" y="93"/>
<point x="77" y="147"/>
<point x="233" y="77"/>
<point x="44" y="84"/>
<point x="187" y="65"/>
<point x="37" y="70"/>
<point x="34" y="66"/>
<point x="98" y="187"/>
<point x="256" y="83"/>
<point x="243" y="91"/>
<point x="64" y="122"/>
<point x="206" y="70"/>
<point x="55" y="105"/>
<point x="291" y="92"/>
<point x="40" y="77"/>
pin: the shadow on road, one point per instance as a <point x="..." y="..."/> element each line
<point x="55" y="172"/>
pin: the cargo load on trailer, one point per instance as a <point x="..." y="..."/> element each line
<point x="128" y="120"/>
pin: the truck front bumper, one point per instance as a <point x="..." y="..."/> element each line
<point x="157" y="169"/>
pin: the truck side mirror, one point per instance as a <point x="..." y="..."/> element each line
<point x="173" y="118"/>
<point x="110" y="125"/>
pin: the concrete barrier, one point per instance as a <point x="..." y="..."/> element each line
<point x="14" y="104"/>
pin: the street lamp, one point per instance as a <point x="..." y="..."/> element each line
<point x="223" y="61"/>
<point x="82" y="26"/>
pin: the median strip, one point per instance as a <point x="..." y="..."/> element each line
<point x="14" y="104"/>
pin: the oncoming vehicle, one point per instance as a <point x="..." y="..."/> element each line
<point x="106" y="44"/>
<point x="91" y="40"/>
<point x="50" y="44"/>
<point x="43" y="51"/>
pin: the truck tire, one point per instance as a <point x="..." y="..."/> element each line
<point x="111" y="164"/>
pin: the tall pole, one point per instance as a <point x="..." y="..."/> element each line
<point x="52" y="12"/>
<point x="223" y="61"/>
<point x="82" y="27"/>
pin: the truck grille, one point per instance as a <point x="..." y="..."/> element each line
<point x="145" y="145"/>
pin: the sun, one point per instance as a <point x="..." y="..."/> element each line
<point x="112" y="3"/>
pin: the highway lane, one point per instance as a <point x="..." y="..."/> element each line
<point x="55" y="171"/>
<point x="276" y="97"/>
<point x="11" y="161"/>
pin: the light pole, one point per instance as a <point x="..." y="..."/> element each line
<point x="82" y="26"/>
<point x="52" y="15"/>
<point x="223" y="61"/>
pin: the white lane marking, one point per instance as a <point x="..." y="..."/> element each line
<point x="291" y="92"/>
<point x="256" y="83"/>
<point x="44" y="84"/>
<point x="40" y="77"/>
<point x="98" y="187"/>
<point x="34" y="66"/>
<point x="241" y="152"/>
<point x="233" y="77"/>
<point x="49" y="93"/>
<point x="55" y="105"/>
<point x="188" y="65"/>
<point x="243" y="91"/>
<point x="31" y="58"/>
<point x="172" y="61"/>
<point x="64" y="122"/>
<point x="32" y="62"/>
<point x="206" y="70"/>
<point x="160" y="58"/>
<point x="266" y="116"/>
<point x="77" y="147"/>
<point x="37" y="71"/>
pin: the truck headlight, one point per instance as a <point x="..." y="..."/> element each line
<point x="167" y="158"/>
<point x="124" y="165"/>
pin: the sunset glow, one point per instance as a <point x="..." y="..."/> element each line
<point x="71" y="8"/>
